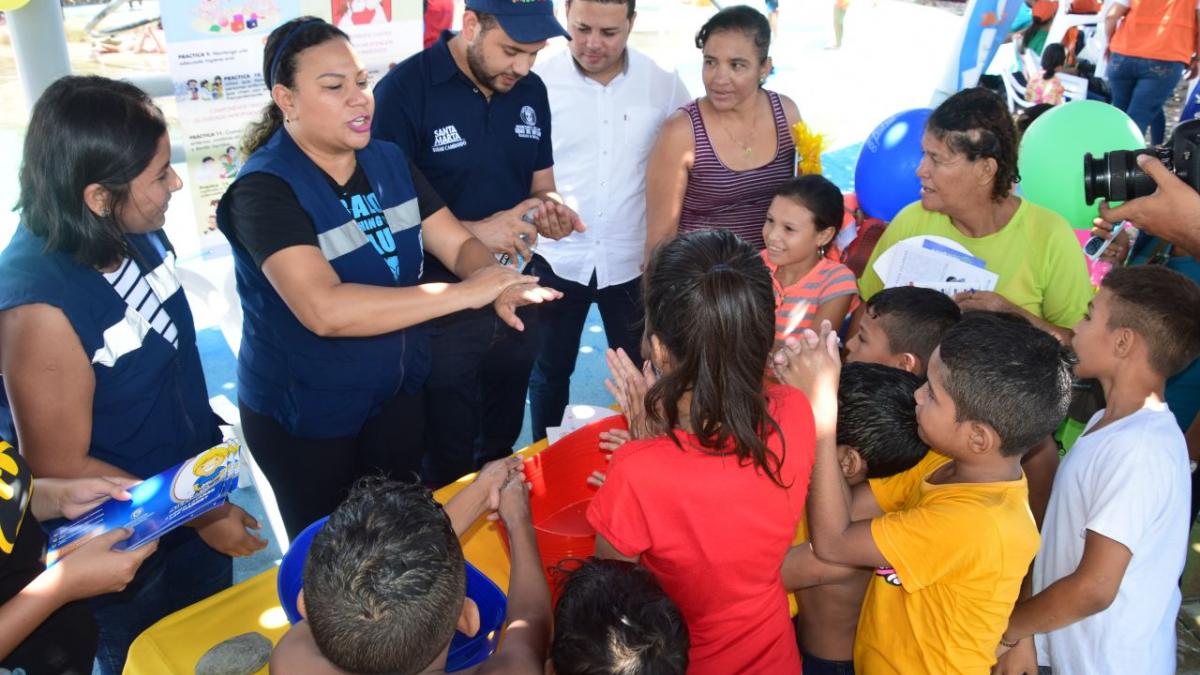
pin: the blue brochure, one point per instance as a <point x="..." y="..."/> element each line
<point x="160" y="503"/>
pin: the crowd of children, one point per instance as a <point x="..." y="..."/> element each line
<point x="888" y="494"/>
<point x="912" y="502"/>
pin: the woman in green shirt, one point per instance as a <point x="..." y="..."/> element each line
<point x="967" y="176"/>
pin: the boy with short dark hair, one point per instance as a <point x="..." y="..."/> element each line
<point x="900" y="327"/>
<point x="1116" y="533"/>
<point x="384" y="582"/>
<point x="613" y="618"/>
<point x="952" y="537"/>
<point x="876" y="437"/>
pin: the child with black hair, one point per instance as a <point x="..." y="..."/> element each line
<point x="708" y="495"/>
<point x="1048" y="88"/>
<point x="876" y="438"/>
<point x="901" y="327"/>
<point x="802" y="221"/>
<point x="613" y="618"/>
<point x="385" y="583"/>
<point x="951" y="538"/>
<point x="1105" y="582"/>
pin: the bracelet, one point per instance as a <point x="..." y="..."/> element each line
<point x="1009" y="645"/>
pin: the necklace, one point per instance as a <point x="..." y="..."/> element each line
<point x="748" y="146"/>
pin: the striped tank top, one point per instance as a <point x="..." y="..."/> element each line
<point x="718" y="197"/>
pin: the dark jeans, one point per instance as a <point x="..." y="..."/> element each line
<point x="311" y="476"/>
<point x="475" y="393"/>
<point x="561" y="327"/>
<point x="812" y="665"/>
<point x="1140" y="87"/>
<point x="182" y="572"/>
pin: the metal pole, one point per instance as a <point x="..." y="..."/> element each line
<point x="39" y="45"/>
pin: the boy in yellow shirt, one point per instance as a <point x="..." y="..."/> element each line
<point x="952" y="538"/>
<point x="877" y="437"/>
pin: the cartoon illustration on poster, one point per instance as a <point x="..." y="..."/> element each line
<point x="185" y="20"/>
<point x="347" y="13"/>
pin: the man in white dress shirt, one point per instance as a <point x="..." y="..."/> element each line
<point x="608" y="102"/>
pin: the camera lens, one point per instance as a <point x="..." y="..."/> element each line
<point x="1095" y="178"/>
<point x="1116" y="177"/>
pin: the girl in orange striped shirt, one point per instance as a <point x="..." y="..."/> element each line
<point x="809" y="287"/>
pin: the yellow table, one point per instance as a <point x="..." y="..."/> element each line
<point x="176" y="643"/>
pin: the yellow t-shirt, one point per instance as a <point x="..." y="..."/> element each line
<point x="958" y="553"/>
<point x="1037" y="257"/>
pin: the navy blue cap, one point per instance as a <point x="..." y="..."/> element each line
<point x="523" y="20"/>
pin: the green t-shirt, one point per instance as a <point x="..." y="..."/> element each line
<point x="1036" y="256"/>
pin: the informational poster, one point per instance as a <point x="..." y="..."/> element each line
<point x="215" y="48"/>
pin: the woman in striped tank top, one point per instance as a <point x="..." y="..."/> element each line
<point x="720" y="159"/>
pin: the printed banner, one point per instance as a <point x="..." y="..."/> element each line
<point x="985" y="26"/>
<point x="215" y="49"/>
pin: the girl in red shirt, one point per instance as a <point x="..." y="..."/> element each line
<point x="709" y="494"/>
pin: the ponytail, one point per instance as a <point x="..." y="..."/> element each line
<point x="283" y="45"/>
<point x="1054" y="56"/>
<point x="261" y="130"/>
<point x="710" y="302"/>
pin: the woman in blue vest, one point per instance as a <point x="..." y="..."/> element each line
<point x="328" y="229"/>
<point x="97" y="345"/>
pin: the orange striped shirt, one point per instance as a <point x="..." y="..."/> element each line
<point x="796" y="305"/>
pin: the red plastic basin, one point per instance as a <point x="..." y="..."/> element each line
<point x="559" y="495"/>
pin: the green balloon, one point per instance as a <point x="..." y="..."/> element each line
<point x="1051" y="157"/>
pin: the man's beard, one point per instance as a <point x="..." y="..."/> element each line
<point x="480" y="73"/>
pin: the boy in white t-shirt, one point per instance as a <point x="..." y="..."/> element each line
<point x="1115" y="537"/>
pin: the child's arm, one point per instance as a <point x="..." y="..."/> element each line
<point x="1021" y="656"/>
<point x="812" y="364"/>
<point x="72" y="497"/>
<point x="93" y="569"/>
<point x="834" y="311"/>
<point x="1040" y="464"/>
<point x="527" y="635"/>
<point x="482" y="495"/>
<point x="803" y="569"/>
<point x="1090" y="589"/>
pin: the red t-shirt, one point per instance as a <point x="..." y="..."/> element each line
<point x="715" y="534"/>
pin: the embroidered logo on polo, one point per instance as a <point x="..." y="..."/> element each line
<point x="447" y="138"/>
<point x="528" y="127"/>
<point x="889" y="575"/>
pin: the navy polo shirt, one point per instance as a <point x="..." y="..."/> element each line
<point x="479" y="155"/>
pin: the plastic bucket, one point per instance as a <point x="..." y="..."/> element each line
<point x="559" y="495"/>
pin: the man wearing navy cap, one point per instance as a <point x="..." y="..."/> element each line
<point x="476" y="121"/>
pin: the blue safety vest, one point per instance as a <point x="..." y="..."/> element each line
<point x="318" y="387"/>
<point x="150" y="407"/>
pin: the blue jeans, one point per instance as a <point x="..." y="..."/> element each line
<point x="561" y="327"/>
<point x="1140" y="87"/>
<point x="182" y="572"/>
<point x="813" y="665"/>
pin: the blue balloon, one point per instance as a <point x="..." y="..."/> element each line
<point x="885" y="178"/>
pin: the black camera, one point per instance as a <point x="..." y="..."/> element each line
<point x="1116" y="177"/>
